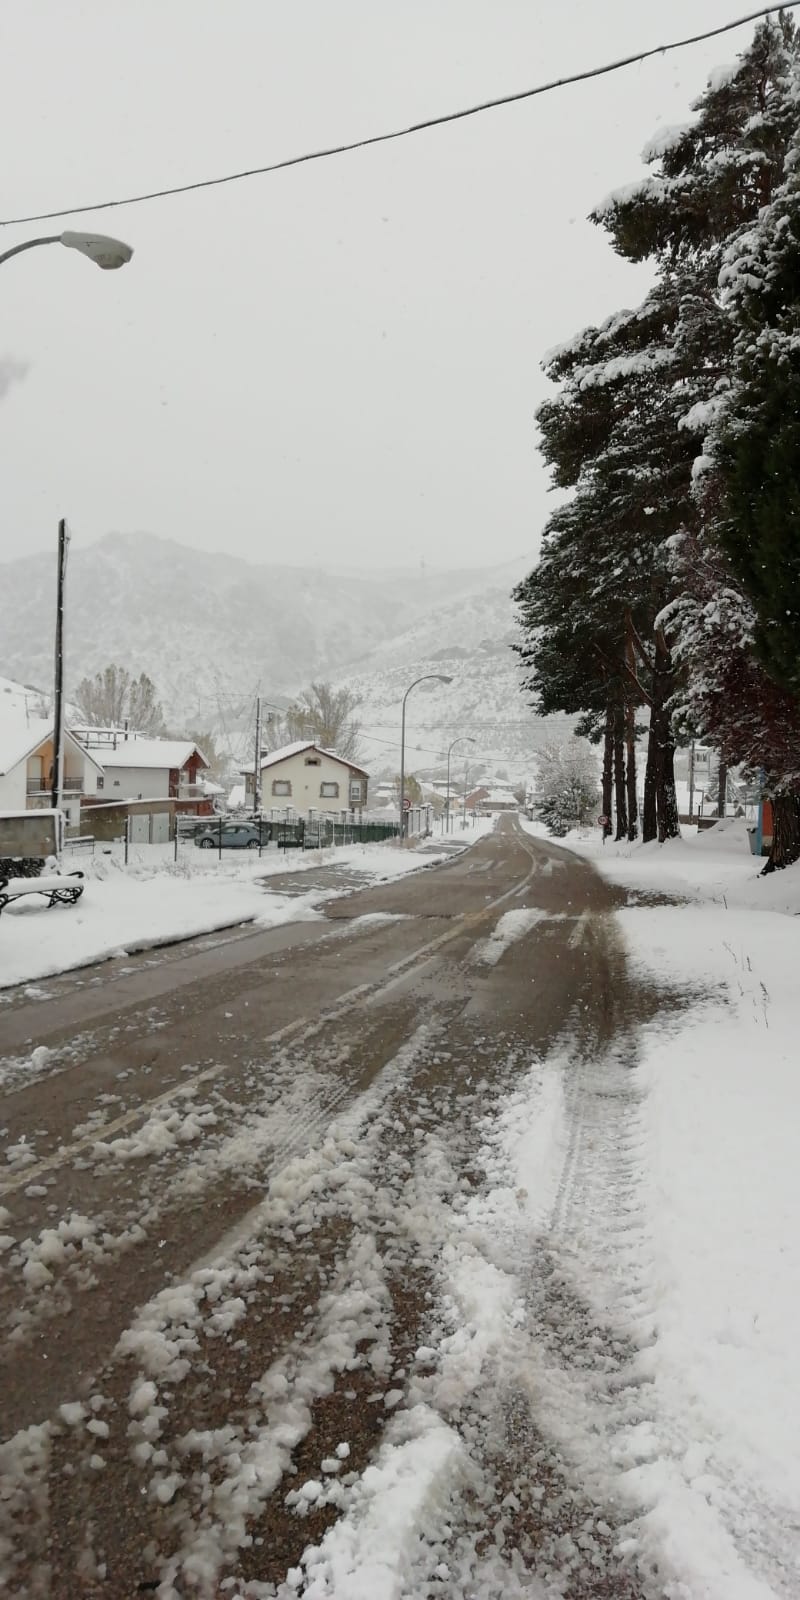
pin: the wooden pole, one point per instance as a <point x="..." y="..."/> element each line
<point x="58" y="693"/>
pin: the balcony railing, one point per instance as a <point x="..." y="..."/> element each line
<point x="69" y="786"/>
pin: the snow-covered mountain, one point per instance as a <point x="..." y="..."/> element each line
<point x="212" y="630"/>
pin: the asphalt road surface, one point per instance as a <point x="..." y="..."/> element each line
<point x="205" y="1149"/>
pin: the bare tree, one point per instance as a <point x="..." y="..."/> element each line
<point x="113" y="697"/>
<point x="325" y="715"/>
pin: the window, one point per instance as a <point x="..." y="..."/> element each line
<point x="281" y="786"/>
<point x="101" y="782"/>
<point x="313" y="761"/>
<point x="355" y="792"/>
<point x="329" y="791"/>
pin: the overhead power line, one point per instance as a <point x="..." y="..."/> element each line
<point x="405" y="133"/>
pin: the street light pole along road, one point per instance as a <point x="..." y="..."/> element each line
<point x="109" y="254"/>
<point x="461" y="740"/>
<point x="432" y="677"/>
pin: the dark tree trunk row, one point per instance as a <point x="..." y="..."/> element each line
<point x="618" y="793"/>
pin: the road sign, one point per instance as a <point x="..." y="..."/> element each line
<point x="406" y="804"/>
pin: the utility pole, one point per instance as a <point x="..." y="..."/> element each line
<point x="466" y="792"/>
<point x="58" y="690"/>
<point x="691" y="782"/>
<point x="257" y="762"/>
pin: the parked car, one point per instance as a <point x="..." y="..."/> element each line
<point x="235" y="835"/>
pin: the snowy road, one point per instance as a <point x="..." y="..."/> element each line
<point x="281" y="1316"/>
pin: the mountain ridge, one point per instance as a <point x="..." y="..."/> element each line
<point x="213" y="630"/>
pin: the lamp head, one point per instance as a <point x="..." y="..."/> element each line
<point x="106" y="252"/>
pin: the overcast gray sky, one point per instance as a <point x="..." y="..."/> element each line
<point x="338" y="363"/>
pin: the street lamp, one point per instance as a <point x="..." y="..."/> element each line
<point x="106" y="252"/>
<point x="461" y="740"/>
<point x="432" y="677"/>
<point x="109" y="254"/>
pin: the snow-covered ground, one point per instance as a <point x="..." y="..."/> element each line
<point x="663" y="1183"/>
<point x="714" y="866"/>
<point x="708" y="1277"/>
<point x="628" y="1269"/>
<point x="156" y="900"/>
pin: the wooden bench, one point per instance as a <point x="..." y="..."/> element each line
<point x="59" y="889"/>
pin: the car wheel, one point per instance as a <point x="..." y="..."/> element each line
<point x="252" y="844"/>
<point x="206" y="844"/>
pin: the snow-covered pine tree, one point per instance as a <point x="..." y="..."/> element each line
<point x="710" y="215"/>
<point x="611" y="435"/>
<point x="750" y="491"/>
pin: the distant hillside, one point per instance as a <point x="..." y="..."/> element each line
<point x="210" y="630"/>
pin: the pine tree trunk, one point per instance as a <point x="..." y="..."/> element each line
<point x="630" y="730"/>
<point x="785" y="831"/>
<point x="722" y="791"/>
<point x="668" y="823"/>
<point x="649" y="811"/>
<point x="630" y="770"/>
<point x="620" y="799"/>
<point x="608" y="757"/>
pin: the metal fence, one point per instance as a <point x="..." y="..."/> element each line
<point x="225" y="836"/>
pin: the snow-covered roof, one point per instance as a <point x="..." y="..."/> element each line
<point x="17" y="743"/>
<point x="169" y="753"/>
<point x="288" y="750"/>
<point x="21" y="732"/>
<point x="21" y="728"/>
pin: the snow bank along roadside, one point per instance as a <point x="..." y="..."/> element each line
<point x="715" y="864"/>
<point x="716" y="1255"/>
<point x="124" y="910"/>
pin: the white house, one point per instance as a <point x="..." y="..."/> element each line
<point x="27" y="757"/>
<point x="137" y="768"/>
<point x="305" y="777"/>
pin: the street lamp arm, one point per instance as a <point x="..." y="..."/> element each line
<point x="437" y="677"/>
<point x="29" y="244"/>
